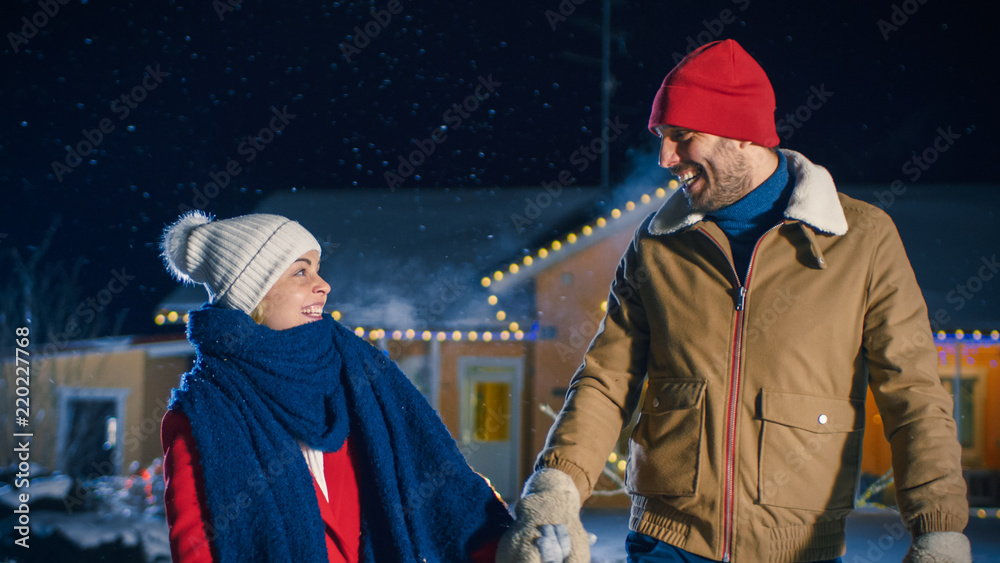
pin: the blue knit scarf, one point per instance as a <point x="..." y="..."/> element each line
<point x="254" y="391"/>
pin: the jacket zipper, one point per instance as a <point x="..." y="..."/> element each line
<point x="729" y="457"/>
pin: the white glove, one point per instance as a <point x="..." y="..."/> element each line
<point x="547" y="526"/>
<point x="940" y="547"/>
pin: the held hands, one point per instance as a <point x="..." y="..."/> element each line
<point x="547" y="527"/>
<point x="940" y="547"/>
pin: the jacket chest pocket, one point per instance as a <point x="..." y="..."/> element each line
<point x="810" y="451"/>
<point x="665" y="450"/>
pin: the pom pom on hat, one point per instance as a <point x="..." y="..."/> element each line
<point x="718" y="89"/>
<point x="174" y="245"/>
<point x="239" y="259"/>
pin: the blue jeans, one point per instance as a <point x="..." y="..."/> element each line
<point x="644" y="549"/>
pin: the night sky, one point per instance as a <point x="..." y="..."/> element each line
<point x="215" y="81"/>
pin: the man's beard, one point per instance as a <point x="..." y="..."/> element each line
<point x="724" y="183"/>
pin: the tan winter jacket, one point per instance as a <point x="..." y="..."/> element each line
<point x="748" y="443"/>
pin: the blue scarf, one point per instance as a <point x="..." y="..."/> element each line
<point x="254" y="391"/>
<point x="747" y="219"/>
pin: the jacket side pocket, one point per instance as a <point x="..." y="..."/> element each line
<point x="665" y="449"/>
<point x="810" y="451"/>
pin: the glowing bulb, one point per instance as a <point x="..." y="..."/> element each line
<point x="498" y="275"/>
<point x="501" y="315"/>
<point x="159" y="319"/>
<point x="518" y="335"/>
<point x="486" y="282"/>
<point x="629" y="206"/>
<point x="397" y="334"/>
<point x="172" y="316"/>
<point x="604" y="306"/>
<point x="425" y="335"/>
<point x="959" y="334"/>
<point x="615" y="213"/>
<point x="645" y="198"/>
<point x="505" y="335"/>
<point x="528" y="261"/>
<point x="359" y="331"/>
<point x="613" y="457"/>
<point x="441" y="336"/>
<point x="487" y="336"/>
<point x="410" y="333"/>
<point x="622" y="465"/>
<point x="587" y="231"/>
<point x="601" y="222"/>
<point x="456" y="336"/>
<point x="556" y="245"/>
<point x="543" y="253"/>
<point x="514" y="268"/>
<point x="661" y="193"/>
<point x="571" y="238"/>
<point x="473" y="336"/>
<point x="513" y="326"/>
<point x="492" y="300"/>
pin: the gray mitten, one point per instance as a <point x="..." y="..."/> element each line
<point x="940" y="547"/>
<point x="547" y="526"/>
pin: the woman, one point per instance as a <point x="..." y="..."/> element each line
<point x="291" y="439"/>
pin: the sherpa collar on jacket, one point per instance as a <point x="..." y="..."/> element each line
<point x="814" y="202"/>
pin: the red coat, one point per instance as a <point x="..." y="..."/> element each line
<point x="184" y="497"/>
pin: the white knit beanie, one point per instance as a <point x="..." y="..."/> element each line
<point x="238" y="259"/>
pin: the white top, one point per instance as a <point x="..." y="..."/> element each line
<point x="314" y="459"/>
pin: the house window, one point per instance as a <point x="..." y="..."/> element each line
<point x="90" y="431"/>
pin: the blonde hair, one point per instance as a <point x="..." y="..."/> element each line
<point x="258" y="313"/>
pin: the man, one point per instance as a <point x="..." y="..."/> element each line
<point x="757" y="308"/>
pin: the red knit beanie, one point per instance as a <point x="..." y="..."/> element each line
<point x="718" y="89"/>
